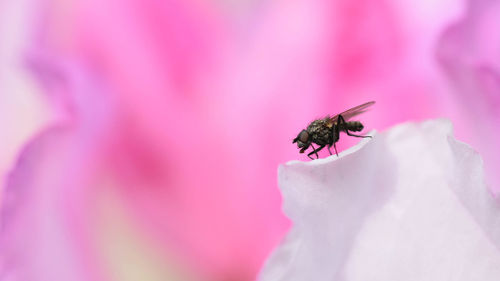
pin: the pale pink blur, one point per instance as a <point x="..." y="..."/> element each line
<point x="154" y="128"/>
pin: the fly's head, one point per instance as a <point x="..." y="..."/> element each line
<point x="303" y="140"/>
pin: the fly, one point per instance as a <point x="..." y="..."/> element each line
<point x="326" y="131"/>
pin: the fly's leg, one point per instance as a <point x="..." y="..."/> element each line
<point x="330" y="145"/>
<point x="334" y="148"/>
<point x="358" y="136"/>
<point x="309" y="155"/>
<point x="335" y="138"/>
<point x="316" y="152"/>
<point x="330" y="141"/>
<point x="341" y="120"/>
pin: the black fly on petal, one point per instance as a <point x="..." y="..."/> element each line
<point x="326" y="131"/>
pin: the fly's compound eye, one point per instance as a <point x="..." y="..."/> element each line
<point x="303" y="136"/>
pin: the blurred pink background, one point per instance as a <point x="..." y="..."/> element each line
<point x="140" y="139"/>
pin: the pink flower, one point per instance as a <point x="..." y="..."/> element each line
<point x="468" y="52"/>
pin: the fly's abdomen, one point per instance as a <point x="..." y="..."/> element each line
<point x="355" y="126"/>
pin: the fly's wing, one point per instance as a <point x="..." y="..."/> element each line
<point x="348" y="114"/>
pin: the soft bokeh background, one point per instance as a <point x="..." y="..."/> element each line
<point x="139" y="139"/>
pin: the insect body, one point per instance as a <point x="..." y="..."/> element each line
<point x="326" y="131"/>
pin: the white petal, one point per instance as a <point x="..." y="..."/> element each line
<point x="409" y="204"/>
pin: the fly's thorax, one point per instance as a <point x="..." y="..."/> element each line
<point x="314" y="125"/>
<point x="320" y="132"/>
